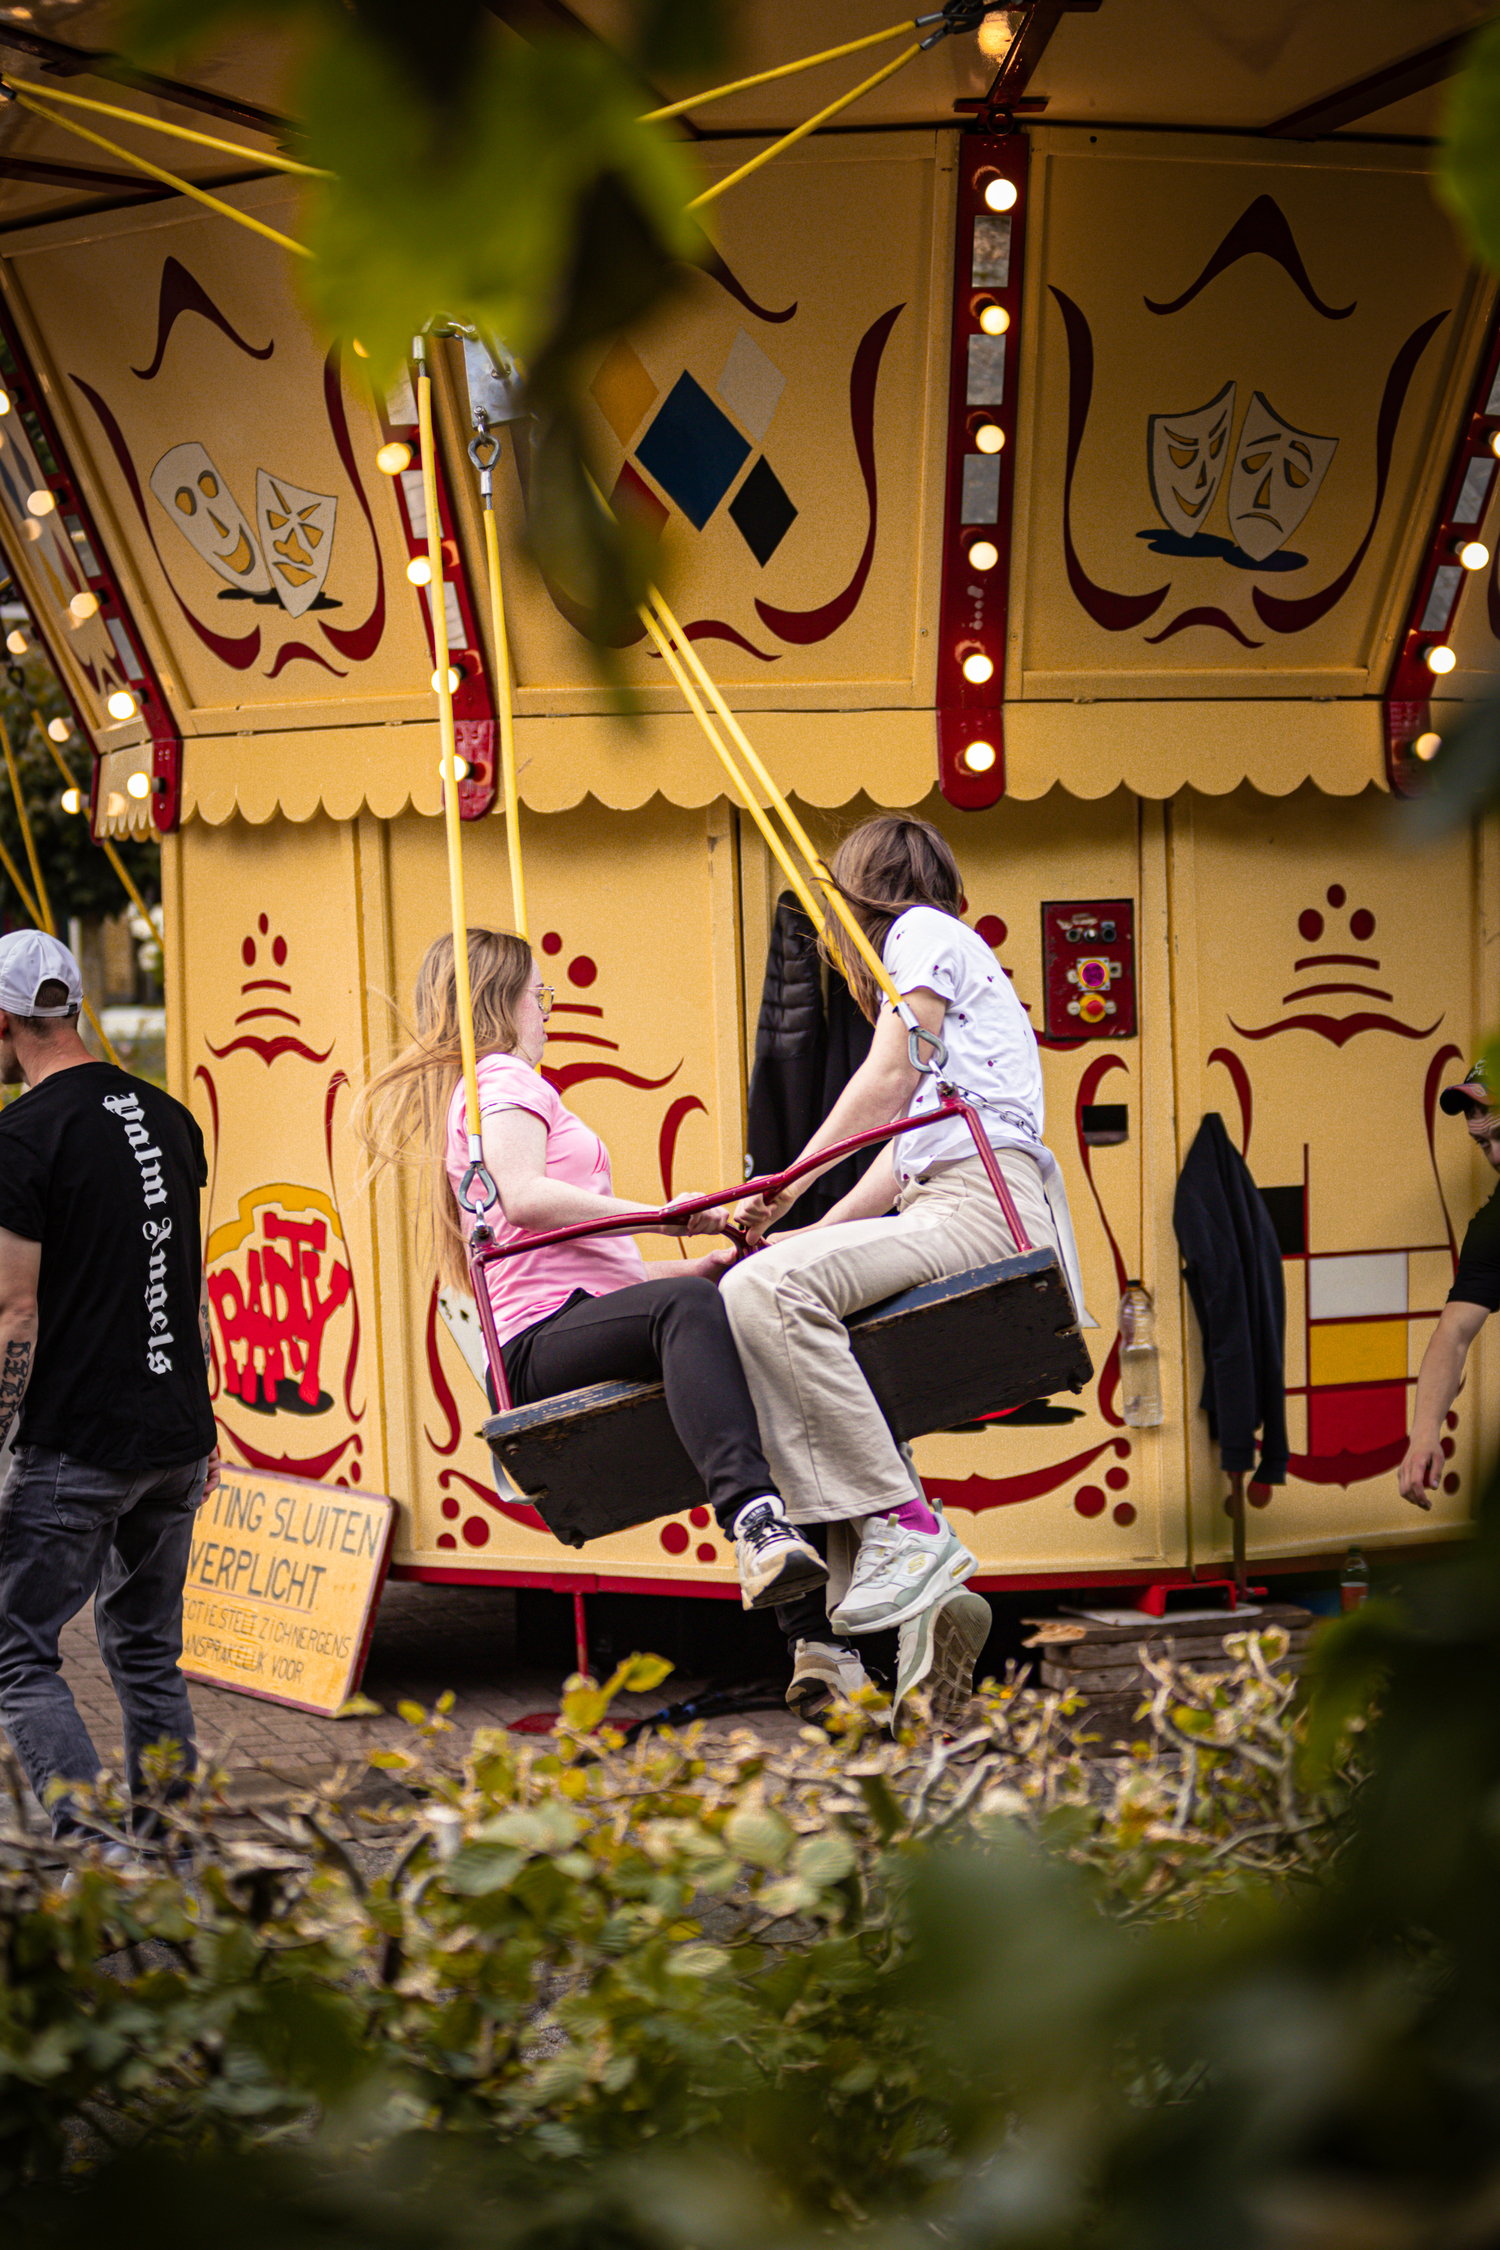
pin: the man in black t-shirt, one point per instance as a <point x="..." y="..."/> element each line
<point x="102" y="1354"/>
<point x="1474" y="1296"/>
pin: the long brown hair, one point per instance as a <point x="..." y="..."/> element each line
<point x="880" y="869"/>
<point x="401" y="1116"/>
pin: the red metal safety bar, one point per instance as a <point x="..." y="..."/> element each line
<point x="484" y="1251"/>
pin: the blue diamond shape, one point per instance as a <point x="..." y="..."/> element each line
<point x="693" y="451"/>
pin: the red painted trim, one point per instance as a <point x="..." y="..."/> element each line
<point x="161" y="727"/>
<point x="473" y="700"/>
<point x="564" y="1581"/>
<point x="974" y="605"/>
<point x="1407" y="705"/>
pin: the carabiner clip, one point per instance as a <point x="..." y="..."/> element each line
<point x="476" y="1207"/>
<point x="916" y="1039"/>
<point x="484" y="437"/>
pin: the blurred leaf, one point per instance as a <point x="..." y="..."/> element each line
<point x="1470" y="173"/>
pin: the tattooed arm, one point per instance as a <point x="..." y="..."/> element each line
<point x="20" y="1263"/>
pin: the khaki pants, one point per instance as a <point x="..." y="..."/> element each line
<point x="829" y="1446"/>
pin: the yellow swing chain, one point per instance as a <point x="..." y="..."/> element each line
<point x="486" y="438"/>
<point x="782" y="70"/>
<point x="808" y="125"/>
<point x="275" y="163"/>
<point x="453" y="825"/>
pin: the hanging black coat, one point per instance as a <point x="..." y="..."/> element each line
<point x="1232" y="1262"/>
<point x="803" y="1059"/>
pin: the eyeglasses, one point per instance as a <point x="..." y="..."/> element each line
<point x="544" y="997"/>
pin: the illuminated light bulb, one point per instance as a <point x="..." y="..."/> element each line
<point x="977" y="668"/>
<point x="121" y="704"/>
<point x="419" y="571"/>
<point x="989" y="437"/>
<point x="83" y="605"/>
<point x="393" y="458"/>
<point x="114" y="804"/>
<point x="59" y="729"/>
<point x="983" y="555"/>
<point x="1427" y="746"/>
<point x="994" y="320"/>
<point x="1495" y="442"/>
<point x="72" y="800"/>
<point x="1001" y="195"/>
<point x="1440" y="658"/>
<point x="139" y="785"/>
<point x="41" y="503"/>
<point x="979" y="757"/>
<point x="437" y="681"/>
<point x="17" y="643"/>
<point x="358" y="348"/>
<point x="1473" y="554"/>
<point x="460" y="767"/>
<point x="4" y="402"/>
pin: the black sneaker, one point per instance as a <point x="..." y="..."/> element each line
<point x="774" y="1561"/>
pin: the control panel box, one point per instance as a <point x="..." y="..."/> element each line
<point x="1088" y="968"/>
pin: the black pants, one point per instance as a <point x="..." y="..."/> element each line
<point x="675" y="1331"/>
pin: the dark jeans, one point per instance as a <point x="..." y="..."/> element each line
<point x="675" y="1331"/>
<point x="69" y="1532"/>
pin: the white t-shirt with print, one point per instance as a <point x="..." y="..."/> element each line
<point x="992" y="1049"/>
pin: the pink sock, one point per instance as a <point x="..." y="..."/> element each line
<point x="916" y="1516"/>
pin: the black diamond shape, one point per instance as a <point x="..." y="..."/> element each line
<point x="763" y="515"/>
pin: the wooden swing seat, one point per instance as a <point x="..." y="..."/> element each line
<point x="605" y="1458"/>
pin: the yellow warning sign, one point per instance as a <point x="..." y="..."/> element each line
<point x="281" y="1588"/>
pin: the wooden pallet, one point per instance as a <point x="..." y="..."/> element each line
<point x="599" y="1460"/>
<point x="1097" y="1659"/>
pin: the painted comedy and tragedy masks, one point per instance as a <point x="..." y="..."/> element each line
<point x="1275" y="471"/>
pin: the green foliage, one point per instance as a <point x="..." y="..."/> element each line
<point x="1470" y="176"/>
<point x="78" y="877"/>
<point x="588" y="1950"/>
<point x="503" y="184"/>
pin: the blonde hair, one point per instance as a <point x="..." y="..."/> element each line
<point x="401" y="1116"/>
<point x="880" y="869"/>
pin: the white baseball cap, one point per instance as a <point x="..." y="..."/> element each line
<point x="28" y="960"/>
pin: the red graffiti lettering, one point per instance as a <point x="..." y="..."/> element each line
<point x="272" y="1329"/>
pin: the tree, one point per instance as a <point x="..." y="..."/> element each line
<point x="78" y="877"/>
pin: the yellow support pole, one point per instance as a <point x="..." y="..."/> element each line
<point x="757" y="813"/>
<point x="789" y="819"/>
<point x="107" y="847"/>
<point x="451" y="817"/>
<point x="26" y="836"/>
<point x="179" y="132"/>
<point x="800" y="132"/>
<point x="155" y="172"/>
<point x="782" y="70"/>
<point x="508" y="779"/>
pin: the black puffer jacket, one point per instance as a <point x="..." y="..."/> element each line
<point x="804" y="1058"/>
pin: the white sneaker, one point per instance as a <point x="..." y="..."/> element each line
<point x="774" y="1561"/>
<point x="824" y="1674"/>
<point x="899" y="1573"/>
<point x="938" y="1650"/>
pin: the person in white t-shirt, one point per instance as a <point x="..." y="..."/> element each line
<point x="834" y="1458"/>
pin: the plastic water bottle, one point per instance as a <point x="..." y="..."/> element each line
<point x="1140" y="1368"/>
<point x="1354" y="1581"/>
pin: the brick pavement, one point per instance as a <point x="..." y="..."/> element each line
<point x="427" y="1639"/>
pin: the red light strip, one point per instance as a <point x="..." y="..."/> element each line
<point x="1467" y="498"/>
<point x="141" y="677"/>
<point x="983" y="382"/>
<point x="473" y="706"/>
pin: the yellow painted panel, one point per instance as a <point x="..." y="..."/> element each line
<point x="1357" y="1351"/>
<point x="1211" y="335"/>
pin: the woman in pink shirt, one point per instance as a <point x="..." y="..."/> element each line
<point x="590" y="1310"/>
